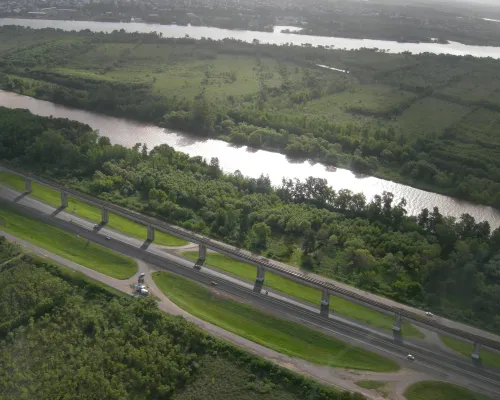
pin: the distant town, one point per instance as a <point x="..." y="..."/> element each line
<point x="225" y="14"/>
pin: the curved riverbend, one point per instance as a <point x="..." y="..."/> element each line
<point x="276" y="37"/>
<point x="251" y="162"/>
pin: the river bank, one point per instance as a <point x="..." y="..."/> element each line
<point x="251" y="162"/>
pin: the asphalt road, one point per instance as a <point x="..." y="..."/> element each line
<point x="384" y="305"/>
<point x="438" y="364"/>
<point x="455" y="325"/>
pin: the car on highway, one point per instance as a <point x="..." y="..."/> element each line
<point x="429" y="314"/>
<point x="108" y="238"/>
<point x="213" y="283"/>
<point x="410" y="357"/>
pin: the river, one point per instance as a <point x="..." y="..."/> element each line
<point x="276" y="37"/>
<point x="248" y="161"/>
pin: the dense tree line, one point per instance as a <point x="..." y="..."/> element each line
<point x="451" y="266"/>
<point x="62" y="336"/>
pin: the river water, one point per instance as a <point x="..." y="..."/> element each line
<point x="248" y="161"/>
<point x="275" y="37"/>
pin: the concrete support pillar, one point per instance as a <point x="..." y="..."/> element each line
<point x="325" y="303"/>
<point x="202" y="256"/>
<point x="259" y="281"/>
<point x="202" y="253"/>
<point x="476" y="352"/>
<point x="64" y="199"/>
<point x="104" y="216"/>
<point x="397" y="323"/>
<point x="27" y="185"/>
<point x="151" y="233"/>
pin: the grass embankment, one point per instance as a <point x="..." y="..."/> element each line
<point x="306" y="293"/>
<point x="371" y="384"/>
<point x="285" y="337"/>
<point x="488" y="358"/>
<point x="65" y="244"/>
<point x="70" y="275"/>
<point x="92" y="213"/>
<point x="431" y="390"/>
<point x="381" y="387"/>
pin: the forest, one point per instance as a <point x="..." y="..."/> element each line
<point x="64" y="336"/>
<point x="448" y="265"/>
<point x="430" y="121"/>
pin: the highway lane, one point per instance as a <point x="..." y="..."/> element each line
<point x="67" y="215"/>
<point x="441" y="365"/>
<point x="161" y="251"/>
<point x="336" y="288"/>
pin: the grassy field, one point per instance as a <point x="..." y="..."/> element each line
<point x="178" y="70"/>
<point x="65" y="244"/>
<point x="430" y="390"/>
<point x="306" y="293"/>
<point x="363" y="100"/>
<point x="92" y="213"/>
<point x="220" y="379"/>
<point x="488" y="358"/>
<point x="380" y="387"/>
<point x="371" y="384"/>
<point x="411" y="123"/>
<point x="267" y="330"/>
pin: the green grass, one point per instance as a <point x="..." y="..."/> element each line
<point x="173" y="72"/>
<point x="92" y="213"/>
<point x="371" y="384"/>
<point x="71" y="276"/>
<point x="488" y="358"/>
<point x="285" y="337"/>
<point x="430" y="390"/>
<point x="66" y="245"/>
<point x="439" y="116"/>
<point x="347" y="105"/>
<point x="306" y="293"/>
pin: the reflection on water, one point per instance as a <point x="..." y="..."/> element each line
<point x="275" y="37"/>
<point x="251" y="162"/>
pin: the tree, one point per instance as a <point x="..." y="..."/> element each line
<point x="259" y="235"/>
<point x="361" y="259"/>
<point x="309" y="244"/>
<point x="104" y="141"/>
<point x="423" y="218"/>
<point x="202" y="115"/>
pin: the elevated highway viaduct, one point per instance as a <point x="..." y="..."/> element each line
<point x="262" y="264"/>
